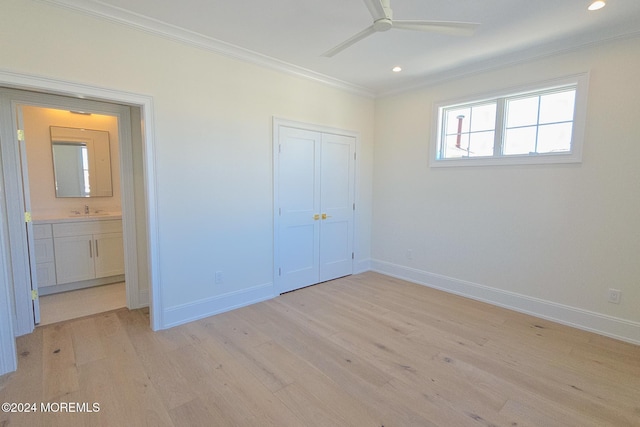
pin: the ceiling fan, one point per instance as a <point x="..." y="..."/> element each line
<point x="383" y="20"/>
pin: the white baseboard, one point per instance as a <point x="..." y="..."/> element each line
<point x="73" y="286"/>
<point x="185" y="313"/>
<point x="613" y="327"/>
<point x="143" y="298"/>
<point x="361" y="266"/>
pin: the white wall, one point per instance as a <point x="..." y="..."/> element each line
<point x="44" y="202"/>
<point x="212" y="142"/>
<point x="548" y="239"/>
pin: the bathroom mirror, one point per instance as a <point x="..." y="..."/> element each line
<point x="81" y="162"/>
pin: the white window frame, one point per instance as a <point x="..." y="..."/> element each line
<point x="581" y="83"/>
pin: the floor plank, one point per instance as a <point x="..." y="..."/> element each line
<point x="59" y="370"/>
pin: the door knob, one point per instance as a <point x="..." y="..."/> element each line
<point x="325" y="216"/>
<point x="316" y="217"/>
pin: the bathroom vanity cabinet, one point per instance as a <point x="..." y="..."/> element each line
<point x="45" y="261"/>
<point x="78" y="254"/>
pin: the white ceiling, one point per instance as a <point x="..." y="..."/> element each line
<point x="295" y="33"/>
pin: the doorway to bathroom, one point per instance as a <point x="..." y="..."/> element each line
<point x="72" y="186"/>
<point x="66" y="246"/>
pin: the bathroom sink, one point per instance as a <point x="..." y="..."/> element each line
<point x="93" y="214"/>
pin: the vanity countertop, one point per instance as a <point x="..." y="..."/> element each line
<point x="54" y="219"/>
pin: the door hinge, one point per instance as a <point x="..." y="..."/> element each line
<point x="353" y="255"/>
<point x="280" y="211"/>
<point x="34" y="295"/>
<point x="279" y="272"/>
<point x="27" y="217"/>
<point x="279" y="148"/>
<point x="354" y="156"/>
<point x="354" y="206"/>
<point x="20" y="135"/>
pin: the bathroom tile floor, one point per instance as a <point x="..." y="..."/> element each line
<point x="83" y="302"/>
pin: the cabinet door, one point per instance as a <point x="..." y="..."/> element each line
<point x="74" y="258"/>
<point x="109" y="256"/>
<point x="46" y="274"/>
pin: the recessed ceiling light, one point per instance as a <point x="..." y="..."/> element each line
<point x="396" y="69"/>
<point x="597" y="4"/>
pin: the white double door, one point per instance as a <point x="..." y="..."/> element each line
<point x="314" y="204"/>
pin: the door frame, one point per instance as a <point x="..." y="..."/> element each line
<point x="277" y="123"/>
<point x="10" y="80"/>
<point x="26" y="191"/>
<point x="22" y="257"/>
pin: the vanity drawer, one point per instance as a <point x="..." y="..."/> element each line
<point x="44" y="250"/>
<point x="70" y="229"/>
<point x="46" y="274"/>
<point x="42" y="231"/>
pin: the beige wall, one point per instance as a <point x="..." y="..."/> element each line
<point x="44" y="202"/>
<point x="553" y="236"/>
<point x="212" y="137"/>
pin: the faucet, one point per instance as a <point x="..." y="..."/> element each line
<point x="86" y="209"/>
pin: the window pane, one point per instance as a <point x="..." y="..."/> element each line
<point x="554" y="138"/>
<point x="557" y="107"/>
<point x="522" y="112"/>
<point x="451" y="151"/>
<point x="452" y="120"/>
<point x="536" y="126"/>
<point x="481" y="144"/>
<point x="520" y="141"/>
<point x="483" y="117"/>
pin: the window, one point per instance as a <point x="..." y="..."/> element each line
<point x="538" y="124"/>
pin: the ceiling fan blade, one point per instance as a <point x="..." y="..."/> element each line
<point x="376" y="9"/>
<point x="342" y="46"/>
<point x="444" y="27"/>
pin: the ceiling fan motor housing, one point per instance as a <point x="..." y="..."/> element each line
<point x="383" y="24"/>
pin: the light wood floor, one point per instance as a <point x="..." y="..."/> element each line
<point x="366" y="350"/>
<point x="83" y="302"/>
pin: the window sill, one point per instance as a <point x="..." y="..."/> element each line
<point x="533" y="159"/>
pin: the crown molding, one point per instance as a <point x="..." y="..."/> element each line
<point x="494" y="63"/>
<point x="101" y="10"/>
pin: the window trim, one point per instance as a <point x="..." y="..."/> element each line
<point x="581" y="82"/>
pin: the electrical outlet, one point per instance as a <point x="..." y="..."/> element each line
<point x="614" y="296"/>
<point x="218" y="277"/>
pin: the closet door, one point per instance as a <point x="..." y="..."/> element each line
<point x="315" y="193"/>
<point x="298" y="204"/>
<point x="337" y="196"/>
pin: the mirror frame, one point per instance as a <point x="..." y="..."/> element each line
<point x="97" y="162"/>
